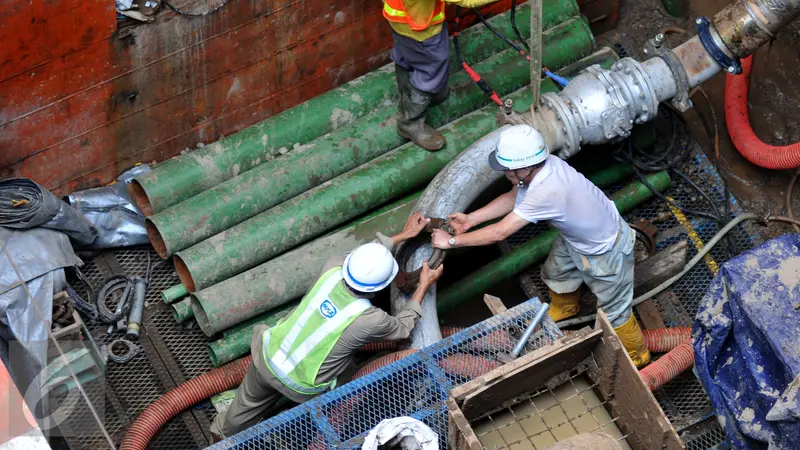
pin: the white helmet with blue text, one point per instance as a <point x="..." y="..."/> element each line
<point x="519" y="146"/>
<point x="369" y="268"/>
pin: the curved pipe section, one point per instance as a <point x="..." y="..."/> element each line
<point x="457" y="185"/>
<point x="737" y="119"/>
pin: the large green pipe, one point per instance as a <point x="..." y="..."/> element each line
<point x="291" y="275"/>
<point x="297" y="220"/>
<point x="178" y="179"/>
<point x="237" y="341"/>
<point x="273" y="182"/>
<point x="537" y="248"/>
<point x="302" y="218"/>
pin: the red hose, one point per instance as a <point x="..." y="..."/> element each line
<point x="668" y="366"/>
<point x="182" y="397"/>
<point x="661" y="340"/>
<point x="737" y="118"/>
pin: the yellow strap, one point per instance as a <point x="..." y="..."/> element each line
<point x="693" y="236"/>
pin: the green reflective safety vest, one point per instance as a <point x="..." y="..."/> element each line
<point x="295" y="349"/>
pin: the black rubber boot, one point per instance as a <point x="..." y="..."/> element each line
<point x="413" y="106"/>
<point x="441" y="96"/>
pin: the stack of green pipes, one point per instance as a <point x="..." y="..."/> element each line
<point x="229" y="212"/>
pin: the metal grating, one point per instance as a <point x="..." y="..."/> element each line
<point x="705" y="435"/>
<point x="684" y="401"/>
<point x="130" y="387"/>
<point x="415" y="386"/>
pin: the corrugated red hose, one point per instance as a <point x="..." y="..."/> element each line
<point x="182" y="397"/>
<point x="737" y="118"/>
<point x="661" y="340"/>
<point x="668" y="366"/>
<point x="229" y="376"/>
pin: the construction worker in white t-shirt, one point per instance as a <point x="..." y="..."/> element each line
<point x="595" y="245"/>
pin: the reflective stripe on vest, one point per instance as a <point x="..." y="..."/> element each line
<point x="320" y="319"/>
<point x="395" y="11"/>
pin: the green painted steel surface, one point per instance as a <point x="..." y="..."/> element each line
<point x="538" y="247"/>
<point x="173" y="294"/>
<point x="180" y="178"/>
<point x="291" y="275"/>
<point x="273" y="182"/>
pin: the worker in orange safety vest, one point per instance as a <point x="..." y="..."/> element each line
<point x="421" y="59"/>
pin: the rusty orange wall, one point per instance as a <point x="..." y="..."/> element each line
<point x="81" y="101"/>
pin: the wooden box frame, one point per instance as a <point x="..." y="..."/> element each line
<point x="618" y="385"/>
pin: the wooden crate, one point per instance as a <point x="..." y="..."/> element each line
<point x="599" y="356"/>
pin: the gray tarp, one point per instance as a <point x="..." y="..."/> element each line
<point x="119" y="223"/>
<point x="24" y="205"/>
<point x="39" y="256"/>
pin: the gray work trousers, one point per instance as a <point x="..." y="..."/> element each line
<point x="608" y="275"/>
<point x="428" y="61"/>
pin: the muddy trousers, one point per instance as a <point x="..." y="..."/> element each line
<point x="255" y="400"/>
<point x="609" y="275"/>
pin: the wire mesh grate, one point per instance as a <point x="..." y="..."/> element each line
<point x="130" y="387"/>
<point x="415" y="386"/>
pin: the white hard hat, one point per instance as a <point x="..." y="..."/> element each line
<point x="519" y="146"/>
<point x="369" y="268"/>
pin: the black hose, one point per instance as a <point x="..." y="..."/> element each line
<point x="514" y="24"/>
<point x="116" y="283"/>
<point x="86" y="307"/>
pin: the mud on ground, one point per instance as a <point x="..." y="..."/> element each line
<point x="774" y="100"/>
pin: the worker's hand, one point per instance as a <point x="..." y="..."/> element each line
<point x="429" y="276"/>
<point x="459" y="222"/>
<point x="414" y="225"/>
<point x="440" y="239"/>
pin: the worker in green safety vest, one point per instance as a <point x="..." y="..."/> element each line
<point x="303" y="355"/>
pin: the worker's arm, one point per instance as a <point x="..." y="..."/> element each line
<point x="491" y="234"/>
<point x="470" y="3"/>
<point x="413" y="227"/>
<point x="399" y="326"/>
<point x="498" y="207"/>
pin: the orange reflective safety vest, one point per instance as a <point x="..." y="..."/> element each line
<point x="394" y="11"/>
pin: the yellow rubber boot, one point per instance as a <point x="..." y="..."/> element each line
<point x="564" y="306"/>
<point x="633" y="340"/>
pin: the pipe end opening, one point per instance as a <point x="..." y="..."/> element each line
<point x="155" y="239"/>
<point x="139" y="196"/>
<point x="183" y="273"/>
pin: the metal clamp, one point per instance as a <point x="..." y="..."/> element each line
<point x="727" y="63"/>
<point x="655" y="46"/>
<point x="407" y="282"/>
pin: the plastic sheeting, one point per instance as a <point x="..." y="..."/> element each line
<point x="119" y="223"/>
<point x="24" y="204"/>
<point x="39" y="256"/>
<point x="747" y="345"/>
